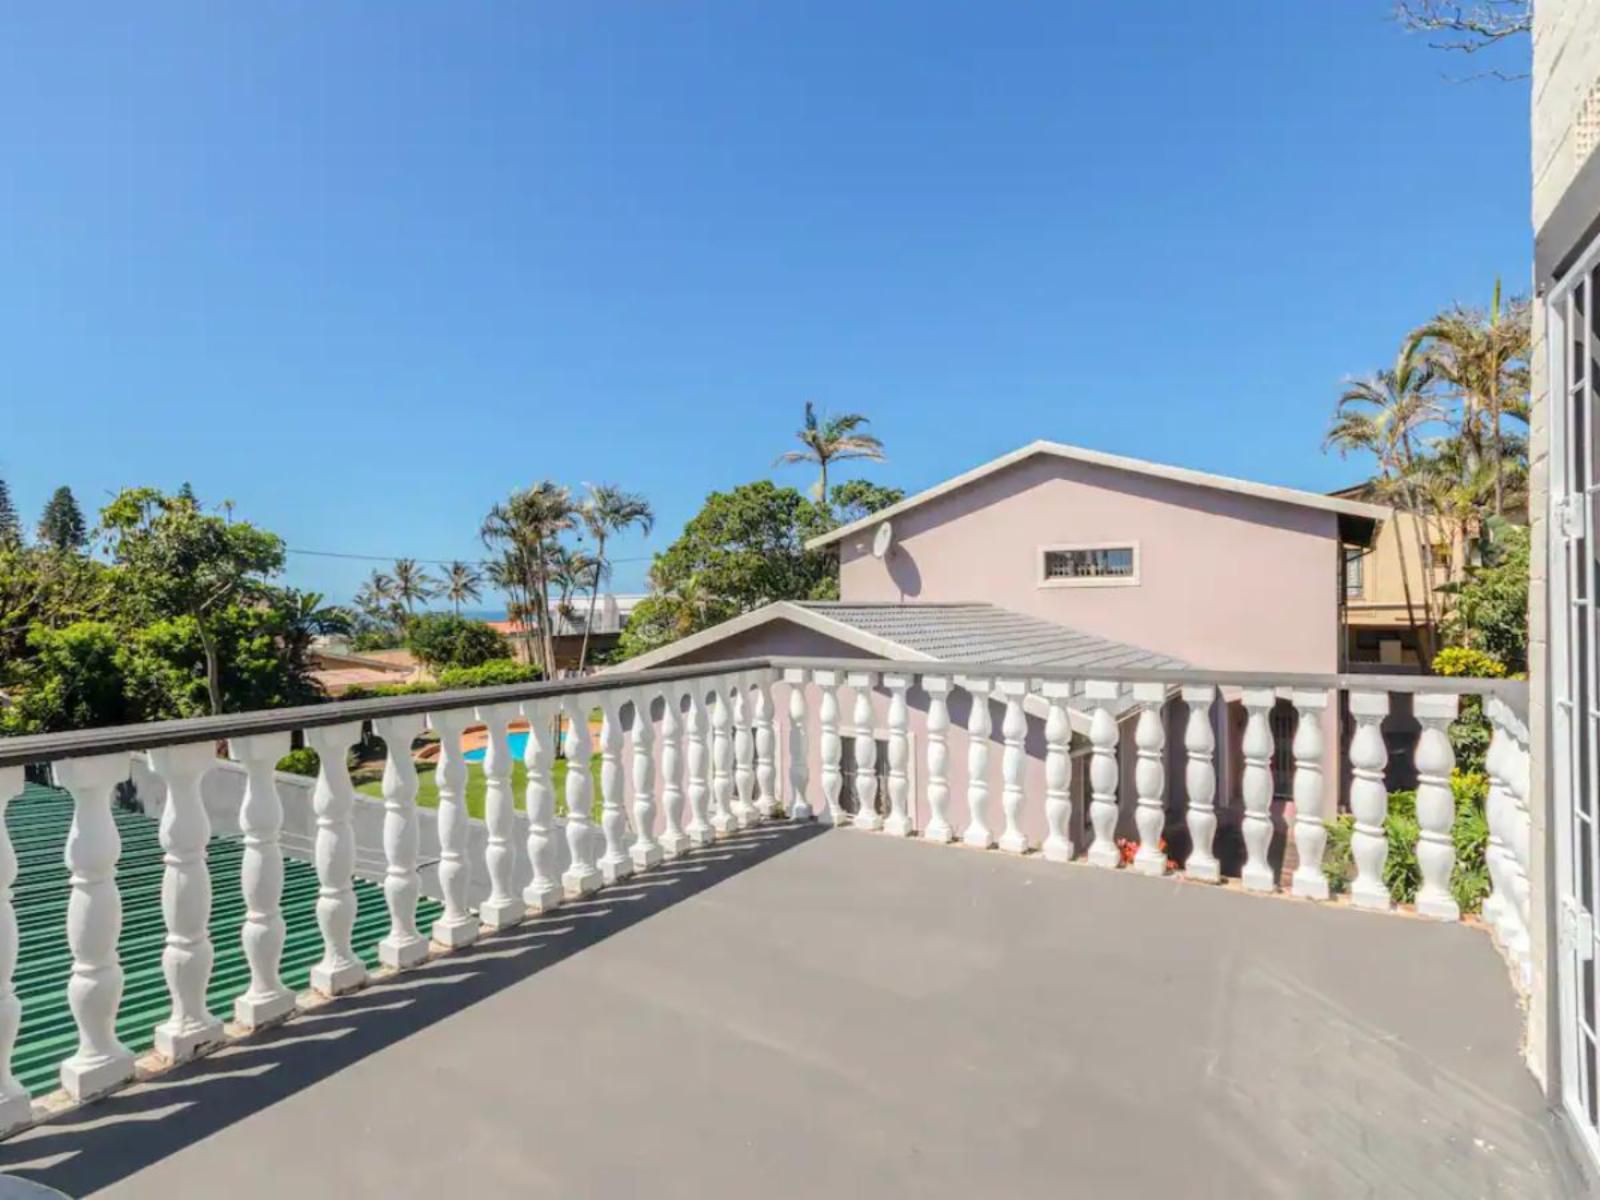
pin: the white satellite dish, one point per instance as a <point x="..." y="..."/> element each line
<point x="882" y="540"/>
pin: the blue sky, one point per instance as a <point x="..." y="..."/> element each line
<point x="364" y="268"/>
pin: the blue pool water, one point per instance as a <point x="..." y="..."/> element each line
<point x="518" y="740"/>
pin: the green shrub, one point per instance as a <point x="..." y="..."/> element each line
<point x="1463" y="662"/>
<point x="489" y="674"/>
<point x="303" y="761"/>
<point x="446" y="640"/>
<point x="362" y="691"/>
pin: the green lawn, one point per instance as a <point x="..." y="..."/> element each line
<point x="477" y="782"/>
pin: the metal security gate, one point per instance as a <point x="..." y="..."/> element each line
<point x="1573" y="335"/>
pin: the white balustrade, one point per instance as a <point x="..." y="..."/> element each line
<point x="1200" y="781"/>
<point x="723" y="818"/>
<point x="1150" y="778"/>
<point x="1369" y="800"/>
<point x="187" y="955"/>
<point x="766" y="747"/>
<point x="1058" y="846"/>
<point x="456" y="926"/>
<point x="831" y="746"/>
<point x="979" y="726"/>
<point x="1310" y="833"/>
<point x="266" y="1001"/>
<point x="334" y="803"/>
<point x="615" y="863"/>
<point x="898" y="823"/>
<point x="700" y="832"/>
<point x="16" y="1108"/>
<point x="674" y="841"/>
<point x="938" y="828"/>
<point x="866" y="752"/>
<point x="1104" y="772"/>
<point x="94" y="923"/>
<point x="404" y="946"/>
<point x="1436" y="806"/>
<point x="1256" y="828"/>
<point x="544" y="891"/>
<point x="645" y="851"/>
<point x="503" y="908"/>
<point x="1521" y="846"/>
<point x="1497" y="909"/>
<point x="799" y="747"/>
<point x="744" y="758"/>
<point x="1013" y="764"/>
<point x="582" y="876"/>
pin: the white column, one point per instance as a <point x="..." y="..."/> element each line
<point x="267" y="1000"/>
<point x="404" y="946"/>
<point x="766" y="748"/>
<point x="1200" y="781"/>
<point x="723" y="818"/>
<point x="1436" y="805"/>
<point x="744" y="757"/>
<point x="94" y="922"/>
<point x="543" y="892"/>
<point x="1013" y="764"/>
<point x="979" y="727"/>
<point x="1058" y="845"/>
<point x="583" y="876"/>
<point x="1521" y="847"/>
<point x="1257" y="789"/>
<point x="938" y="828"/>
<point x="799" y="747"/>
<point x="1310" y="834"/>
<point x="832" y="748"/>
<point x="674" y="841"/>
<point x="1369" y="800"/>
<point x="334" y="801"/>
<point x="503" y="908"/>
<point x="1497" y="908"/>
<point x="866" y="748"/>
<point x="645" y="851"/>
<point x="187" y="955"/>
<point x="700" y="832"/>
<point x="615" y="862"/>
<point x="1150" y="778"/>
<point x="456" y="926"/>
<point x="898" y="822"/>
<point x="1104" y="772"/>
<point x="16" y="1108"/>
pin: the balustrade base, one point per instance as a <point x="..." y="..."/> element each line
<point x="454" y="933"/>
<point x="724" y="823"/>
<point x="1104" y="856"/>
<point x="1057" y="851"/>
<point x="542" y="899"/>
<point x="15" y="1112"/>
<point x="645" y="857"/>
<point x="702" y="837"/>
<point x="180" y="1043"/>
<point x="614" y="870"/>
<point x="84" y="1079"/>
<point x="257" y="1012"/>
<point x="1014" y="843"/>
<point x="579" y="884"/>
<point x="1374" y="898"/>
<point x="978" y="839"/>
<point x="1438" y="908"/>
<point x="1310" y="887"/>
<point x="1150" y="862"/>
<point x="801" y="811"/>
<point x="941" y="834"/>
<point x="400" y="953"/>
<point x="674" y="844"/>
<point x="1206" y="871"/>
<point x="747" y="818"/>
<point x="1258" y="879"/>
<point x="897" y="826"/>
<point x="337" y="980"/>
<point x="868" y="822"/>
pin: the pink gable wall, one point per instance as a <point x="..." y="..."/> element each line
<point x="1226" y="581"/>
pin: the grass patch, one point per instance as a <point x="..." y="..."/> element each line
<point x="478" y="783"/>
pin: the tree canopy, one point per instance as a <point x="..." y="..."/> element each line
<point x="62" y="526"/>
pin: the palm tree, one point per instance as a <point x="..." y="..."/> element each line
<point x="462" y="582"/>
<point x="609" y="510"/>
<point x="569" y="570"/>
<point x="412" y="583"/>
<point x="525" y="525"/>
<point x="832" y="439"/>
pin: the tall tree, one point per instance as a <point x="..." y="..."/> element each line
<point x="1469" y="27"/>
<point x="609" y="511"/>
<point x="412" y="584"/>
<point x="527" y="524"/>
<point x="829" y="440"/>
<point x="10" y="525"/>
<point x="462" y="582"/>
<point x="62" y="526"/>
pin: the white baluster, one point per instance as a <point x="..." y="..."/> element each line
<point x="1058" y="845"/>
<point x="645" y="851"/>
<point x="744" y="758"/>
<point x="503" y="908"/>
<point x="1369" y="800"/>
<point x="898" y="822"/>
<point x="832" y="747"/>
<point x="543" y="892"/>
<point x="1150" y="778"/>
<point x="938" y="828"/>
<point x="1310" y="834"/>
<point x="267" y="1000"/>
<point x="615" y="863"/>
<point x="766" y="748"/>
<point x="456" y="926"/>
<point x="1521" y="847"/>
<point x="16" y="1108"/>
<point x="1104" y="772"/>
<point x="582" y="876"/>
<point x="187" y="955"/>
<point x="723" y="818"/>
<point x="1257" y="789"/>
<point x="700" y="832"/>
<point x="979" y="726"/>
<point x="404" y="946"/>
<point x="674" y="841"/>
<point x="1013" y="764"/>
<point x="1436" y="805"/>
<point x="866" y="752"/>
<point x="799" y="747"/>
<point x="94" y="922"/>
<point x="1496" y="907"/>
<point x="334" y="801"/>
<point x="1200" y="781"/>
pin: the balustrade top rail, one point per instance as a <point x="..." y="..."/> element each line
<point x="115" y="739"/>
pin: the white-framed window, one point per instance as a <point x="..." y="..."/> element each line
<point x="1089" y="564"/>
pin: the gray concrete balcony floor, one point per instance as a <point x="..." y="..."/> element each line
<point x="800" y="1012"/>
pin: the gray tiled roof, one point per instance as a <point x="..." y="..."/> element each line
<point x="987" y="633"/>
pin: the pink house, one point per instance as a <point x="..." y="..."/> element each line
<point x="1063" y="557"/>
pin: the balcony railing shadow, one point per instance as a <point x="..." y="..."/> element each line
<point x="94" y="1146"/>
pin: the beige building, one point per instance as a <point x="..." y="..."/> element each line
<point x="1389" y="590"/>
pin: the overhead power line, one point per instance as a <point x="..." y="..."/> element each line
<point x="432" y="562"/>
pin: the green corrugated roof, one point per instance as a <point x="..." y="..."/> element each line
<point x="38" y="820"/>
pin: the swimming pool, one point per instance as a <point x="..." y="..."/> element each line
<point x="518" y="740"/>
